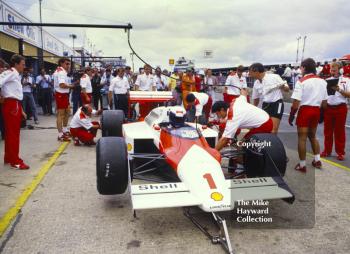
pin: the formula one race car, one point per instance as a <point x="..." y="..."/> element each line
<point x="184" y="169"/>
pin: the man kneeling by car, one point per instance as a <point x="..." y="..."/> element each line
<point x="241" y="115"/>
<point x="82" y="128"/>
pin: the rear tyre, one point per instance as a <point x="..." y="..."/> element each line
<point x="112" y="123"/>
<point x="111" y="166"/>
<point x="269" y="160"/>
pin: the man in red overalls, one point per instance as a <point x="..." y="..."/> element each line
<point x="335" y="116"/>
<point x="3" y="68"/>
<point x="11" y="91"/>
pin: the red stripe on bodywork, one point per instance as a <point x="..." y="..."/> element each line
<point x="175" y="148"/>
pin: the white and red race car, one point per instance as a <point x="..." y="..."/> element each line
<point x="182" y="166"/>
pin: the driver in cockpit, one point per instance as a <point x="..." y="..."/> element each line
<point x="177" y="116"/>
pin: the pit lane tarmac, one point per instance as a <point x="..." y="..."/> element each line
<point x="65" y="214"/>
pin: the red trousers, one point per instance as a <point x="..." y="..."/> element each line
<point x="84" y="135"/>
<point x="12" y="113"/>
<point x="229" y="97"/>
<point x="334" y="125"/>
<point x="264" y="128"/>
<point x="83" y="98"/>
<point x="207" y="108"/>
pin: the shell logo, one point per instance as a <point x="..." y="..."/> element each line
<point x="216" y="196"/>
<point x="129" y="146"/>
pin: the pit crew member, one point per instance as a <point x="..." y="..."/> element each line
<point x="119" y="88"/>
<point x="82" y="128"/>
<point x="62" y="86"/>
<point x="202" y="103"/>
<point x="335" y="115"/>
<point x="11" y="91"/>
<point x="86" y="87"/>
<point x="234" y="85"/>
<point x="268" y="87"/>
<point x="310" y="93"/>
<point x="241" y="115"/>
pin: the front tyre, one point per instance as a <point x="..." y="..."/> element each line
<point x="112" y="123"/>
<point x="111" y="166"/>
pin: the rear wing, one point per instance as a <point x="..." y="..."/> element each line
<point x="165" y="195"/>
<point x="150" y="96"/>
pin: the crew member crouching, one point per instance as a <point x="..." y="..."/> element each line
<point x="82" y="128"/>
<point x="202" y="103"/>
<point x="335" y="116"/>
<point x="310" y="93"/>
<point x="241" y="115"/>
<point x="86" y="87"/>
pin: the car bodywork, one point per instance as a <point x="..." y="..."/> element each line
<point x="189" y="152"/>
<point x="157" y="145"/>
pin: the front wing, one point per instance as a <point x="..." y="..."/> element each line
<point x="165" y="195"/>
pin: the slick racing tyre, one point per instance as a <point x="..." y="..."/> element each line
<point x="111" y="166"/>
<point x="112" y="122"/>
<point x="266" y="157"/>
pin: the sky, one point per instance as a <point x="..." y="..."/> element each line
<point x="236" y="31"/>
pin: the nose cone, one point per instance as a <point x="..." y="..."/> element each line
<point x="203" y="175"/>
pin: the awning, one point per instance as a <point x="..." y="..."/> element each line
<point x="50" y="58"/>
<point x="29" y="50"/>
<point x="9" y="44"/>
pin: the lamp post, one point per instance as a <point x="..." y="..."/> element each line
<point x="73" y="36"/>
<point x="298" y="39"/>
<point x="132" y="60"/>
<point x="41" y="51"/>
<point x="302" y="55"/>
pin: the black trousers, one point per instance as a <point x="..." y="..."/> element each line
<point x="76" y="99"/>
<point x="46" y="100"/>
<point x="96" y="97"/>
<point x="121" y="103"/>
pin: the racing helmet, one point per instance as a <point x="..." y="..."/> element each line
<point x="177" y="116"/>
